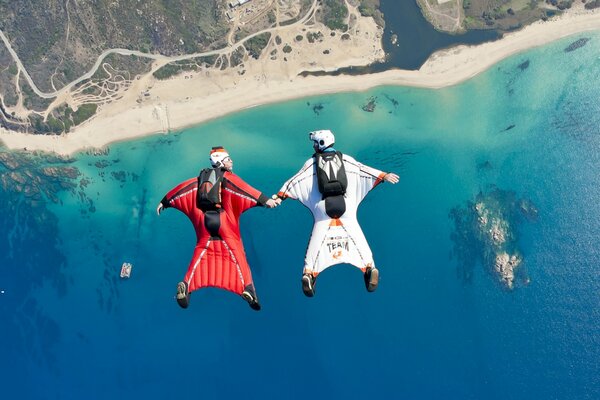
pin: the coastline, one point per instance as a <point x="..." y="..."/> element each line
<point x="180" y="102"/>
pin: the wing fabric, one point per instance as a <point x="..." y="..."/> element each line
<point x="300" y="186"/>
<point x="215" y="264"/>
<point x="365" y="177"/>
<point x="238" y="196"/>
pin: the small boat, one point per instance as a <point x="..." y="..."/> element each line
<point x="126" y="270"/>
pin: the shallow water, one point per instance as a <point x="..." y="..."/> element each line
<point x="530" y="125"/>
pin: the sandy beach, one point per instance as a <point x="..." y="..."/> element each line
<point x="190" y="99"/>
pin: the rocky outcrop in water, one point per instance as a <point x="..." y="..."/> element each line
<point x="31" y="176"/>
<point x="494" y="232"/>
<point x="486" y="232"/>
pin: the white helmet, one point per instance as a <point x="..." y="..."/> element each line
<point x="323" y="139"/>
<point x="217" y="156"/>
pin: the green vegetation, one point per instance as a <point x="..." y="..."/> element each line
<point x="167" y="71"/>
<point x="83" y="113"/>
<point x="314" y="36"/>
<point x="241" y="35"/>
<point x="334" y="15"/>
<point x="237" y="57"/>
<point x="169" y="27"/>
<point x="10" y="99"/>
<point x="561" y="4"/>
<point x="8" y="90"/>
<point x="370" y="8"/>
<point x="256" y="44"/>
<point x="208" y="60"/>
<point x="177" y="67"/>
<point x="287" y="48"/>
<point x="31" y="100"/>
<point x="62" y="119"/>
<point x="505" y="15"/>
<point x="40" y="126"/>
<point x="55" y="125"/>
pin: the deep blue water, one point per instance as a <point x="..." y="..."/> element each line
<point x="529" y="126"/>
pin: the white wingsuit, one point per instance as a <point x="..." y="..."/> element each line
<point x="334" y="240"/>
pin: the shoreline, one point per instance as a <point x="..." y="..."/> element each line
<point x="178" y="104"/>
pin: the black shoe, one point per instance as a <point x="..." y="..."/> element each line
<point x="308" y="285"/>
<point x="251" y="299"/>
<point x="183" y="296"/>
<point x="371" y="278"/>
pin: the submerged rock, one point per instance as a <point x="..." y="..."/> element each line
<point x="576" y="44"/>
<point x="505" y="267"/>
<point x="316" y="108"/>
<point x="486" y="233"/>
<point x="370" y="106"/>
<point x="524" y="65"/>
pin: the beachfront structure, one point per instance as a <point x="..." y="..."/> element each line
<point x="236" y="3"/>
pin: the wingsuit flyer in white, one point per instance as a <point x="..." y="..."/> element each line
<point x="334" y="240"/>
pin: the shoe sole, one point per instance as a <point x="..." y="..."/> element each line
<point x="373" y="280"/>
<point x="307" y="286"/>
<point x="183" y="296"/>
<point x="255" y="305"/>
<point x="181" y="291"/>
<point x="248" y="297"/>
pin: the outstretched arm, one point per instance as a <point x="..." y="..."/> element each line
<point x="298" y="186"/>
<point x="244" y="196"/>
<point x="369" y="177"/>
<point x="181" y="197"/>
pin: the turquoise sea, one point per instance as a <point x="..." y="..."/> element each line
<point x="441" y="325"/>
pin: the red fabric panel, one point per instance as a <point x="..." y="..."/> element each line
<point x="183" y="196"/>
<point x="216" y="268"/>
<point x="238" y="195"/>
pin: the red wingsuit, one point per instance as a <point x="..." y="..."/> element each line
<point x="219" y="259"/>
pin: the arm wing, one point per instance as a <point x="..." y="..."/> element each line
<point x="242" y="196"/>
<point x="299" y="186"/>
<point x="182" y="197"/>
<point x="368" y="177"/>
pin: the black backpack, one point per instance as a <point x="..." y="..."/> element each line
<point x="331" y="174"/>
<point x="208" y="196"/>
